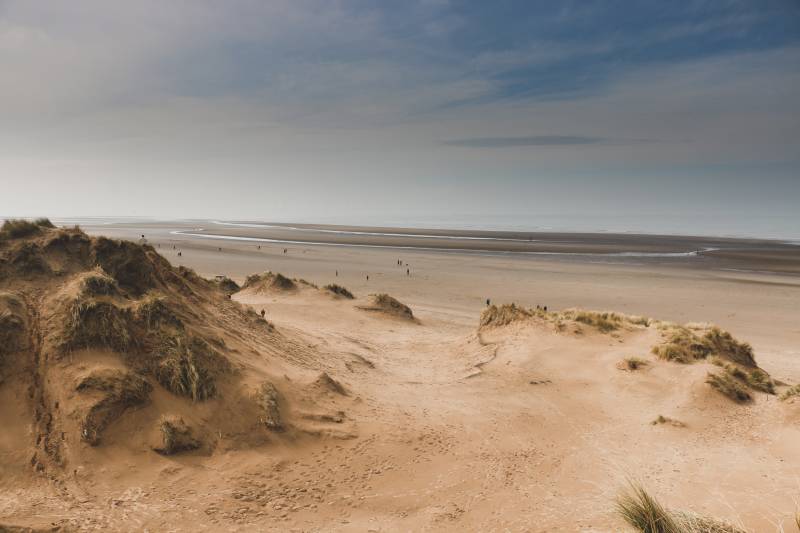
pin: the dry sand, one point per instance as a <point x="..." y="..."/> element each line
<point x="432" y="424"/>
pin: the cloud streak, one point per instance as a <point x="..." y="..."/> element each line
<point x="540" y="140"/>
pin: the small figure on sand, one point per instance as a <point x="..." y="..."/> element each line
<point x="488" y="302"/>
<point x="337" y="273"/>
<point x="179" y="254"/>
<point x="284" y="250"/>
<point x="263" y="312"/>
<point x="545" y="308"/>
<point x="408" y="272"/>
<point x="367" y="277"/>
<point x="220" y="249"/>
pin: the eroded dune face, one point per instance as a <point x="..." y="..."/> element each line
<point x="144" y="394"/>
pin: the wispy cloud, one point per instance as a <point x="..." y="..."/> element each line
<point x="541" y="140"/>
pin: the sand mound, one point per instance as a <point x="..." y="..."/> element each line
<point x="383" y="303"/>
<point x="338" y="290"/>
<point x="269" y="281"/>
<point x="110" y="335"/>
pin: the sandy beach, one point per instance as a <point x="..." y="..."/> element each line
<point x="430" y="421"/>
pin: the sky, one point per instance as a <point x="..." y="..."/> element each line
<point x="664" y="116"/>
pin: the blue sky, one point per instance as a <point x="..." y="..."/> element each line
<point x="349" y="111"/>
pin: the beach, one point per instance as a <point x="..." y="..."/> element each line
<point x="438" y="421"/>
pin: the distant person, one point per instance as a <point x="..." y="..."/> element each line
<point x="263" y="312"/>
<point x="408" y="272"/>
<point x="337" y="273"/>
<point x="179" y="254"/>
<point x="220" y="249"/>
<point x="545" y="308"/>
<point x="367" y="277"/>
<point x="488" y="302"/>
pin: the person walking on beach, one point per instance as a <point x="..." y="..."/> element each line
<point x="488" y="302"/>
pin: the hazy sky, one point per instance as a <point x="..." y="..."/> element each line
<point x="356" y="110"/>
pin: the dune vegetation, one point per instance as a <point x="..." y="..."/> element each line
<point x="645" y="514"/>
<point x="685" y="345"/>
<point x="338" y="290"/>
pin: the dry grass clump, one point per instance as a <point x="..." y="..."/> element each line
<point x="504" y="314"/>
<point x="389" y="305"/>
<point x="727" y="384"/>
<point x="269" y="280"/>
<point x="18" y="228"/>
<point x="126" y="262"/>
<point x="790" y="393"/>
<point x="307" y="283"/>
<point x="660" y="419"/>
<point x="153" y="312"/>
<point x="94" y="323"/>
<point x="645" y="514"/>
<point x="13" y="328"/>
<point x="27" y="259"/>
<point x="685" y="345"/>
<point x="186" y="366"/>
<point x="633" y="363"/>
<point x="121" y="390"/>
<point x="226" y="284"/>
<point x="339" y="291"/>
<point x="268" y="397"/>
<point x="604" y="321"/>
<point x="176" y="436"/>
<point x="98" y="283"/>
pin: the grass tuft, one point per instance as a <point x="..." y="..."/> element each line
<point x="686" y="345"/>
<point x="727" y="384"/>
<point x="339" y="291"/>
<point x="660" y="419"/>
<point x="176" y="436"/>
<point x="790" y="393"/>
<point x="633" y="363"/>
<point x="645" y="514"/>
<point x="94" y="323"/>
<point x="187" y="367"/>
<point x="18" y="228"/>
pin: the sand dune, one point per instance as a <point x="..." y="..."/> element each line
<point x="138" y="395"/>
